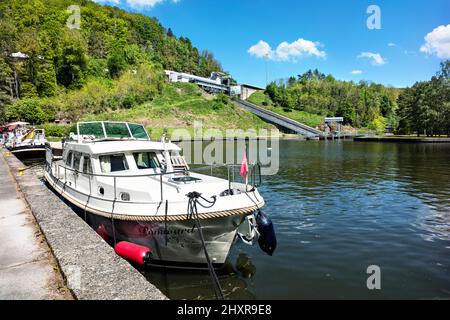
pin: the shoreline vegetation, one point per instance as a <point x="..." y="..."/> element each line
<point x="404" y="139"/>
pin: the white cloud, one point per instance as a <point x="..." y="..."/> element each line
<point x="391" y="44"/>
<point x="143" y="3"/>
<point x="356" y="72"/>
<point x="375" y="58"/>
<point x="137" y="4"/>
<point x="287" y="51"/>
<point x="107" y="1"/>
<point x="261" y="49"/>
<point x="437" y="42"/>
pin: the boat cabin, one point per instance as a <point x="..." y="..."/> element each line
<point x="95" y="149"/>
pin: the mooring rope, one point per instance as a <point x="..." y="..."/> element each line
<point x="192" y="213"/>
<point x="165" y="220"/>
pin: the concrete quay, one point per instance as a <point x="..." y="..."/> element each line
<point x="68" y="260"/>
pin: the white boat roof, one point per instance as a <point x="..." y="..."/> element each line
<point x="111" y="147"/>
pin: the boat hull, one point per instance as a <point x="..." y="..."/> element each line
<point x="174" y="244"/>
<point x="28" y="152"/>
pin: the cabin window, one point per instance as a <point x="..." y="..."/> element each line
<point x="76" y="160"/>
<point x="146" y="160"/>
<point x="113" y="163"/>
<point x="87" y="165"/>
<point x="69" y="159"/>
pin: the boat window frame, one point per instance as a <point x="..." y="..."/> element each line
<point x="89" y="171"/>
<point x="123" y="154"/>
<point x="154" y="158"/>
<point x="74" y="160"/>
<point x="69" y="155"/>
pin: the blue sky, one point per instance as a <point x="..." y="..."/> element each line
<point x="329" y="35"/>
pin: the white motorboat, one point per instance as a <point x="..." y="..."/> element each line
<point x="140" y="192"/>
<point x="26" y="143"/>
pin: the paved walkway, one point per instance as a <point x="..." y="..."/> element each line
<point x="27" y="268"/>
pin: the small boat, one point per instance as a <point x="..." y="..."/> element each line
<point x="26" y="143"/>
<point x="137" y="193"/>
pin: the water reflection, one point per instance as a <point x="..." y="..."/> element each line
<point x="339" y="207"/>
<point x="197" y="285"/>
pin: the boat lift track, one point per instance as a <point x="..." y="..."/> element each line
<point x="279" y="120"/>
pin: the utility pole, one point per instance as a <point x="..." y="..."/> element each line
<point x="267" y="69"/>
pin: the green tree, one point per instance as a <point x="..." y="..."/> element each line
<point x="116" y="62"/>
<point x="29" y="110"/>
<point x="72" y="62"/>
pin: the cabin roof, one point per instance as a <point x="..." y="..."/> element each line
<point x="109" y="147"/>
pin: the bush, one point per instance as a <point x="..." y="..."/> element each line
<point x="378" y="125"/>
<point x="54" y="130"/>
<point x="30" y="110"/>
<point x="97" y="68"/>
<point x="128" y="102"/>
<point x="222" y="99"/>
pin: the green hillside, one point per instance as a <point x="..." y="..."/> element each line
<point x="110" y="68"/>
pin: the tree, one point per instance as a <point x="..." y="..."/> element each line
<point x="72" y="62"/>
<point x="425" y="107"/>
<point x="116" y="62"/>
<point x="5" y="102"/>
<point x="29" y="110"/>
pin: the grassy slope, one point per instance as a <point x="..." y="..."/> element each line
<point x="178" y="107"/>
<point x="309" y="119"/>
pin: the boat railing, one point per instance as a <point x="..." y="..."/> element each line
<point x="254" y="178"/>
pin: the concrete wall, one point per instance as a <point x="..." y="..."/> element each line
<point x="92" y="269"/>
<point x="246" y="92"/>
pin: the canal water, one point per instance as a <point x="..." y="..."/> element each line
<point x="338" y="208"/>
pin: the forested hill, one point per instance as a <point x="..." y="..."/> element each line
<point x="313" y="93"/>
<point x="109" y="42"/>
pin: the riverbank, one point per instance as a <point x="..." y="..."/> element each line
<point x="404" y="139"/>
<point x="90" y="267"/>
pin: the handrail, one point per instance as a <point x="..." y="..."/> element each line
<point x="153" y="174"/>
<point x="252" y="174"/>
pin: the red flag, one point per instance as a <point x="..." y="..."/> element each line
<point x="244" y="166"/>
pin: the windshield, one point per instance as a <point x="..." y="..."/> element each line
<point x="91" y="129"/>
<point x="117" y="130"/>
<point x="113" y="130"/>
<point x="138" y="131"/>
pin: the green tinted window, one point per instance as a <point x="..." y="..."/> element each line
<point x="92" y="129"/>
<point x="116" y="130"/>
<point x="138" y="131"/>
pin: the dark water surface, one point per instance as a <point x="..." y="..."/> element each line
<point x="339" y="207"/>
